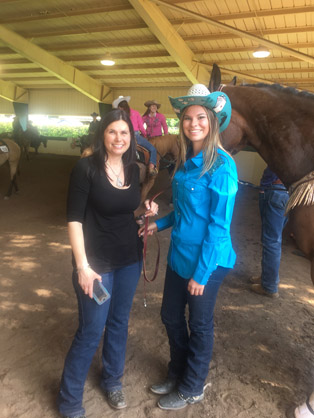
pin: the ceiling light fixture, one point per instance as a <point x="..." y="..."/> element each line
<point x="108" y="60"/>
<point x="261" y="52"/>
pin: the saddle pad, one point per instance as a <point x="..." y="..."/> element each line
<point x="3" y="149"/>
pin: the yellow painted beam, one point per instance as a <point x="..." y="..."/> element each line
<point x="12" y="92"/>
<point x="171" y="40"/>
<point x="238" y="32"/>
<point x="65" y="72"/>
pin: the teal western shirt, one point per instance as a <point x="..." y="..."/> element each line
<point x="200" y="221"/>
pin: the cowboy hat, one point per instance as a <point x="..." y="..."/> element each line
<point x="120" y="99"/>
<point x="218" y="102"/>
<point x="94" y="114"/>
<point x="152" y="102"/>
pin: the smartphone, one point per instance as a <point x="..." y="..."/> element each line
<point x="100" y="293"/>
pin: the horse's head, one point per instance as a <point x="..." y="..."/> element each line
<point x="234" y="138"/>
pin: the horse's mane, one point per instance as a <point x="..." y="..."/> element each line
<point x="279" y="87"/>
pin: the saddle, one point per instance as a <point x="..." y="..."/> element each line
<point x="142" y="155"/>
<point x="3" y="147"/>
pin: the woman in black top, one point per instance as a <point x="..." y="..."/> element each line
<point x="103" y="193"/>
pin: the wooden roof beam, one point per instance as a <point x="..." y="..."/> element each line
<point x="137" y="26"/>
<point x="147" y="54"/>
<point x="171" y="40"/>
<point x="125" y="7"/>
<point x="65" y="13"/>
<point x="256" y="13"/>
<point x="87" y="29"/>
<point x="241" y="33"/>
<point x="12" y="92"/>
<point x="65" y="72"/>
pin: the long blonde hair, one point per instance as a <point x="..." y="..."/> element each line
<point x="211" y="142"/>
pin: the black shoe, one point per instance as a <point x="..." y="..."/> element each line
<point x="165" y="387"/>
<point x="116" y="399"/>
<point x="175" y="400"/>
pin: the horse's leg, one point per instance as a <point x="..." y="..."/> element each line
<point x="14" y="182"/>
<point x="147" y="183"/>
<point x="26" y="152"/>
<point x="146" y="187"/>
<point x="14" y="163"/>
<point x="9" y="192"/>
<point x="301" y="219"/>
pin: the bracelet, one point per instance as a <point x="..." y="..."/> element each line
<point x="86" y="266"/>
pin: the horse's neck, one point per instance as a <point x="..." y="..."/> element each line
<point x="277" y="136"/>
<point x="166" y="144"/>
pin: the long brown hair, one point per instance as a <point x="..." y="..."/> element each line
<point x="148" y="111"/>
<point x="210" y="145"/>
<point x="100" y="154"/>
<point x="124" y="106"/>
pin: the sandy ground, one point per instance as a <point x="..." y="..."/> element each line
<point x="263" y="355"/>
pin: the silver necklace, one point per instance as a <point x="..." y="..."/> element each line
<point x="118" y="180"/>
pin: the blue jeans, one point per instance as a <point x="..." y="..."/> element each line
<point x="190" y="353"/>
<point x="114" y="314"/>
<point x="272" y="208"/>
<point x="146" y="144"/>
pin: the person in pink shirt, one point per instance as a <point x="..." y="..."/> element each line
<point x="122" y="103"/>
<point x="155" y="121"/>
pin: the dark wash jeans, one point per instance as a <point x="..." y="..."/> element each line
<point x="190" y="352"/>
<point x="114" y="314"/>
<point x="272" y="210"/>
<point x="143" y="142"/>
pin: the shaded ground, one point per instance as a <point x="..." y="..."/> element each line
<point x="263" y="354"/>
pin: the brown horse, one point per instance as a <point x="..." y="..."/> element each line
<point x="278" y="123"/>
<point x="11" y="152"/>
<point x="165" y="145"/>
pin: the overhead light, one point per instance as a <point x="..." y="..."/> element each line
<point x="108" y="60"/>
<point x="261" y="52"/>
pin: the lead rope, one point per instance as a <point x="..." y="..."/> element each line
<point x="146" y="279"/>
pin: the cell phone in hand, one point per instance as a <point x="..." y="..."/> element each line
<point x="100" y="293"/>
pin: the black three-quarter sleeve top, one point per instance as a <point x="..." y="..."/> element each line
<point x="106" y="213"/>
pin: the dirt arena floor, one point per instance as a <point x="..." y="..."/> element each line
<point x="263" y="355"/>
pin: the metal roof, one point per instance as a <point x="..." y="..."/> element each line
<point x="155" y="43"/>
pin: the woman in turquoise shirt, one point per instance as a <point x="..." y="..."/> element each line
<point x="204" y="187"/>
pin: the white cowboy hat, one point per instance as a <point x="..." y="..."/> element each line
<point x="120" y="99"/>
<point x="218" y="102"/>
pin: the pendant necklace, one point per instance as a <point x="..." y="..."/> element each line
<point x="118" y="180"/>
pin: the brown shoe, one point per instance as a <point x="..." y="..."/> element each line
<point x="255" y="279"/>
<point x="152" y="171"/>
<point x="257" y="288"/>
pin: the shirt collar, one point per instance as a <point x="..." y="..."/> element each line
<point x="197" y="160"/>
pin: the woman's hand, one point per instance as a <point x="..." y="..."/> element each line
<point x="150" y="230"/>
<point x="195" y="288"/>
<point x="151" y="208"/>
<point x="86" y="279"/>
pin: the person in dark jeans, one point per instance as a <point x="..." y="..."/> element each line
<point x="200" y="255"/>
<point x="273" y="197"/>
<point x="103" y="193"/>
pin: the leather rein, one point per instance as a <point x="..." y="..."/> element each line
<point x="145" y="246"/>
